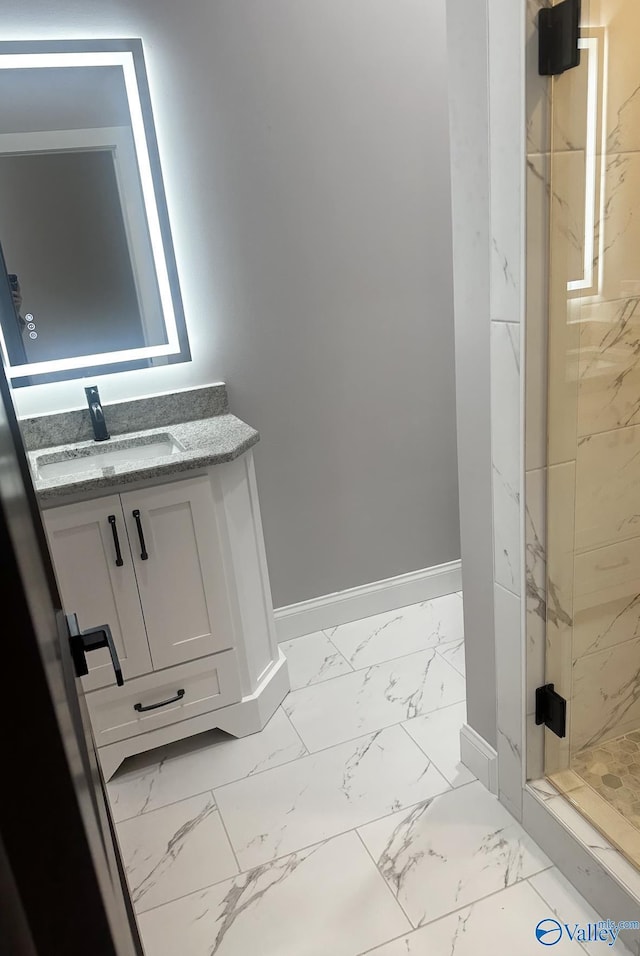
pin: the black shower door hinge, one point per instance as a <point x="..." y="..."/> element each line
<point x="558" y="35"/>
<point x="551" y="710"/>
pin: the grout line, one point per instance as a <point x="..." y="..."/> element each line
<point x="356" y="829"/>
<point x="224" y="827"/>
<point x="459" y="909"/>
<point x="316" y="843"/>
<point x="550" y="905"/>
<point x="365" y="823"/>
<point x="443" y="658"/>
<point x="395" y="723"/>
<point x="391" y="660"/>
<point x="268" y="863"/>
<point x="388" y="886"/>
<point x="402" y="607"/>
<point x="297" y="733"/>
<point x="309" y="753"/>
<point x="432" y="761"/>
<point x="344" y="658"/>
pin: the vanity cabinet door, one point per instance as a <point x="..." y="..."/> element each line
<point x="95" y="585"/>
<point x="180" y="570"/>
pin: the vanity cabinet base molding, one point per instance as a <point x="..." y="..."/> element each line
<point x="178" y="571"/>
<point x="250" y="715"/>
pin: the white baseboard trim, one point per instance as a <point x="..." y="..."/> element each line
<point x="329" y="610"/>
<point x="479" y="757"/>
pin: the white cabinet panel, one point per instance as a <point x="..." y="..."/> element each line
<point x="181" y="580"/>
<point x="181" y="692"/>
<point x="92" y="585"/>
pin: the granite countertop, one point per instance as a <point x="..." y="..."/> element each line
<point x="202" y="442"/>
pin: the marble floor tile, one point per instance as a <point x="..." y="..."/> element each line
<point x="395" y="633"/>
<point x="568" y="906"/>
<point x="370" y="699"/>
<point x="329" y="899"/>
<point x="175" y="850"/>
<point x="200" y="763"/>
<point x="325" y="794"/>
<point x="313" y="658"/>
<point x="438" y="734"/>
<point x="451" y="851"/>
<point x="502" y="924"/>
<point x="454" y="654"/>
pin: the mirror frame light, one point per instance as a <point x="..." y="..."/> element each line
<point x="127" y="54"/>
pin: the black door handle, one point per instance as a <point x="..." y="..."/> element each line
<point x="143" y="547"/>
<point x="80" y="642"/>
<point x="162" y="703"/>
<point x="116" y="542"/>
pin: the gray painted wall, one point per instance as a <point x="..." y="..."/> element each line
<point x="469" y="110"/>
<point x="306" y="162"/>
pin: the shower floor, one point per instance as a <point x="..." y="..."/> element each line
<point x="612" y="769"/>
<point x="604" y="785"/>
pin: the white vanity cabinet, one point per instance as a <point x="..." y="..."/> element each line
<point x="178" y="572"/>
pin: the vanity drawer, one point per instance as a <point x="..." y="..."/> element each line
<point x="188" y="689"/>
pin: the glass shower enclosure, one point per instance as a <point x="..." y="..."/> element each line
<point x="593" y="424"/>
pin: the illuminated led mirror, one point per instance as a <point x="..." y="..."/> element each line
<point x="84" y="228"/>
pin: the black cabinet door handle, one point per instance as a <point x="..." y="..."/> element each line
<point x="80" y="642"/>
<point x="143" y="547"/>
<point x="163" y="703"/>
<point x="116" y="542"/>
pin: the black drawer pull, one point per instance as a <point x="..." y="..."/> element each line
<point x="163" y="703"/>
<point x="116" y="542"/>
<point x="143" y="552"/>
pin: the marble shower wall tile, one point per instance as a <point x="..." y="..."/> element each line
<point x="536" y="578"/>
<point x="623" y="82"/>
<point x="201" y="763"/>
<point x="281" y="906"/>
<point x="609" y="373"/>
<point x="450" y="852"/>
<point x="505" y="452"/>
<point x="566" y="263"/>
<point x="313" y="658"/>
<point x="620" y="225"/>
<point x="606" y="694"/>
<point x="538" y="190"/>
<point x="506" y="147"/>
<point x="560" y="555"/>
<point x="607" y="597"/>
<point x="536" y="612"/>
<point x="174" y="851"/>
<point x="608" y="488"/>
<point x="568" y="122"/>
<point x="325" y="794"/>
<point x="374" y="698"/>
<point x="538" y="88"/>
<point x="403" y="631"/>
<point x="508" y="626"/>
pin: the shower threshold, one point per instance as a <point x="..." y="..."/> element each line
<point x="604" y="785"/>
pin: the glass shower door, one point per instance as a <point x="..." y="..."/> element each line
<point x="593" y="474"/>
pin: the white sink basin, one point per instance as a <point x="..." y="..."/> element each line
<point x="95" y="458"/>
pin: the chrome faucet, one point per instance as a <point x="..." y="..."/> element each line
<point x="98" y="422"/>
